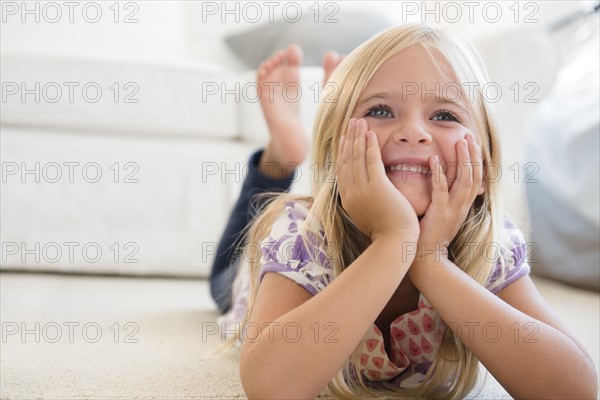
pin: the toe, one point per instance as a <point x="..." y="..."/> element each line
<point x="293" y="55"/>
<point x="262" y="70"/>
<point x="330" y="60"/>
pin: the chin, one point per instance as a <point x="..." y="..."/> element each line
<point x="419" y="208"/>
<point x="419" y="199"/>
<point x="419" y="203"/>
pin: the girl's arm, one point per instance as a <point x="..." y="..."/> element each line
<point x="519" y="340"/>
<point x="310" y="338"/>
<point x="280" y="366"/>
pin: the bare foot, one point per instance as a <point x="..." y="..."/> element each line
<point x="330" y="61"/>
<point x="279" y="80"/>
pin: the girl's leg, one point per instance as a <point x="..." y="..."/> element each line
<point x="225" y="266"/>
<point x="268" y="169"/>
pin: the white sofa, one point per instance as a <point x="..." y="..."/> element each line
<point x="155" y="172"/>
<point x="171" y="165"/>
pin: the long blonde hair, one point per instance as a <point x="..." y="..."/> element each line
<point x="454" y="372"/>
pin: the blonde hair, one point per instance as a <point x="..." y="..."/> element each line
<point x="454" y="372"/>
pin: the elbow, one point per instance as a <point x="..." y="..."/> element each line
<point x="577" y="383"/>
<point x="586" y="387"/>
<point x="268" y="393"/>
<point x="582" y="390"/>
<point x="584" y="381"/>
<point x="589" y="389"/>
<point x="256" y="387"/>
<point x="260" y="380"/>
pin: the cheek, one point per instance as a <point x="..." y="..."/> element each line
<point x="381" y="140"/>
<point x="381" y="133"/>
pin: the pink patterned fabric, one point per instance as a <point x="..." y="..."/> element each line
<point x="414" y="340"/>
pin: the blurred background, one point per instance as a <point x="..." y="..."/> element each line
<point x="126" y="125"/>
<point x="125" y="128"/>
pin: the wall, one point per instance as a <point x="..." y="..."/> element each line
<point x="139" y="30"/>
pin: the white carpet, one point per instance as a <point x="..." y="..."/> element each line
<point x="171" y="359"/>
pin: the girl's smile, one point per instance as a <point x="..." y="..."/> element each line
<point x="406" y="170"/>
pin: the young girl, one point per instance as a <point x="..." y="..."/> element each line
<point x="400" y="273"/>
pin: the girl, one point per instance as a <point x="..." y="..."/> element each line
<point x="400" y="273"/>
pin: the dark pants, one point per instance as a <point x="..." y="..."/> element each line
<point x="224" y="268"/>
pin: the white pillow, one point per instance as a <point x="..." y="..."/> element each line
<point x="351" y="29"/>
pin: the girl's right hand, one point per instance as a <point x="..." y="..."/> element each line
<point x="373" y="203"/>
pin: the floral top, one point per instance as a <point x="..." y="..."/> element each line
<point x="414" y="336"/>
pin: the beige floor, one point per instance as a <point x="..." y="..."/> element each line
<point x="155" y="340"/>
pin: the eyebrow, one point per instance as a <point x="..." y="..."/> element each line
<point x="382" y="95"/>
<point x="446" y="100"/>
<point x="438" y="99"/>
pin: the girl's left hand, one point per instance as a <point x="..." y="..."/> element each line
<point x="449" y="208"/>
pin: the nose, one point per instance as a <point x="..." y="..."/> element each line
<point x="411" y="131"/>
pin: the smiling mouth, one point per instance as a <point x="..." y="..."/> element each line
<point x="419" y="169"/>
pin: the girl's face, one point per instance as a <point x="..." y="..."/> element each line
<point x="416" y="112"/>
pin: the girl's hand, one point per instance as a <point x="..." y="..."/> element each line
<point x="373" y="203"/>
<point x="448" y="209"/>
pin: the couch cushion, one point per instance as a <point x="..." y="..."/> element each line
<point x="117" y="95"/>
<point x="338" y="30"/>
<point x="149" y="205"/>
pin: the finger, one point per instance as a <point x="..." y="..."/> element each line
<point x="348" y="153"/>
<point x="359" y="165"/>
<point x="339" y="171"/>
<point x="462" y="186"/>
<point x="439" y="182"/>
<point x="476" y="163"/>
<point x="375" y="168"/>
<point x="342" y="172"/>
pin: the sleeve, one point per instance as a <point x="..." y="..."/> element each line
<point x="512" y="262"/>
<point x="285" y="252"/>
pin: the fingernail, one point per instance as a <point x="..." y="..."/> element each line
<point x="465" y="144"/>
<point x="352" y="122"/>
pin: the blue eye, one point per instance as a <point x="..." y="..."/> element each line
<point x="447" y="116"/>
<point x="379" y="111"/>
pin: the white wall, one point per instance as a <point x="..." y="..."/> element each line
<point x="146" y="30"/>
<point x="193" y="30"/>
<point x="208" y="22"/>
